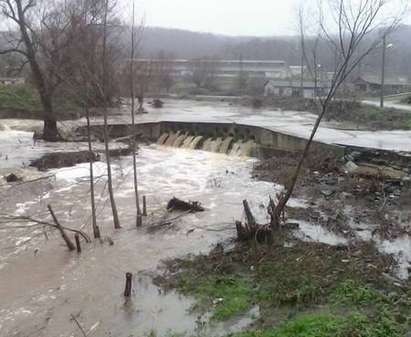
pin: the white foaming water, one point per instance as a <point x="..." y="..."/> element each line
<point x="310" y="232"/>
<point x="401" y="249"/>
<point x="16" y="148"/>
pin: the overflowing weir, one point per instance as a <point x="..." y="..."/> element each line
<point x="227" y="145"/>
<point x="228" y="138"/>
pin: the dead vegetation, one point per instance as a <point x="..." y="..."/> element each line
<point x="340" y="200"/>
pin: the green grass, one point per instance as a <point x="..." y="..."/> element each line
<point x="229" y="296"/>
<point x="327" y="325"/>
<point x="292" y="286"/>
<point x="281" y="285"/>
<point x="352" y="293"/>
<point x="19" y="97"/>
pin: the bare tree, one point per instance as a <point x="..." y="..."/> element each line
<point x="203" y="72"/>
<point x="143" y="81"/>
<point x="116" y="220"/>
<point x="242" y="78"/>
<point x="164" y="71"/>
<point x="88" y="83"/>
<point x="356" y="25"/>
<point x="27" y="45"/>
<point x="132" y="95"/>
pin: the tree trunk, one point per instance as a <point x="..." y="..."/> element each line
<point x="70" y="245"/>
<point x="50" y="131"/>
<point x="116" y="220"/>
<point x="96" y="229"/>
<point x="133" y="123"/>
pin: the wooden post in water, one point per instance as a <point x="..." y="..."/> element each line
<point x="139" y="220"/>
<point x="144" y="206"/>
<point x="77" y="237"/>
<point x="129" y="283"/>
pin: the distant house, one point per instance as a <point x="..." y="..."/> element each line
<point x="12" y="80"/>
<point x="292" y="88"/>
<point x="371" y="84"/>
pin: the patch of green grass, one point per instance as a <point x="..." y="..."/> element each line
<point x="350" y="292"/>
<point x="289" y="283"/>
<point x="19" y="97"/>
<point x="282" y="285"/>
<point x="321" y="325"/>
<point x="229" y="296"/>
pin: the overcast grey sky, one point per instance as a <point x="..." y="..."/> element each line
<point x="231" y="17"/>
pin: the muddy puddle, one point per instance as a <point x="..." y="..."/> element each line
<point x="42" y="285"/>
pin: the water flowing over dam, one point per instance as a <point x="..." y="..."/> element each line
<point x="226" y="145"/>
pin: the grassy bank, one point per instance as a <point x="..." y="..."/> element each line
<point x="23" y="101"/>
<point x="19" y="99"/>
<point x="350" y="112"/>
<point x="301" y="289"/>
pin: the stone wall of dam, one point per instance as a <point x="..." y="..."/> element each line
<point x="229" y="138"/>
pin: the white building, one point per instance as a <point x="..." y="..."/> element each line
<point x="223" y="68"/>
<point x="289" y="88"/>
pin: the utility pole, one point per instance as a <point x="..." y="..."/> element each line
<point x="302" y="69"/>
<point x="384" y="49"/>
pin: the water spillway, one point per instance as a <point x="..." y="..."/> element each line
<point x="225" y="145"/>
<point x="229" y="138"/>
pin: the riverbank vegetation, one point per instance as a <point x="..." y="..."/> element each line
<point x="23" y="101"/>
<point x="301" y="289"/>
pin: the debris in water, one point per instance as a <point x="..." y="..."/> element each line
<point x="180" y="205"/>
<point x="12" y="178"/>
<point x="63" y="159"/>
<point x="158" y="103"/>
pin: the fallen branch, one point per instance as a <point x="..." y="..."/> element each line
<point x="78" y="325"/>
<point x="10" y="218"/>
<point x="70" y="245"/>
<point x="166" y="222"/>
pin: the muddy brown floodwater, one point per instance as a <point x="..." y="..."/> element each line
<point x="41" y="284"/>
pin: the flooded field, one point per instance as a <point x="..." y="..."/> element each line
<point x="42" y="284"/>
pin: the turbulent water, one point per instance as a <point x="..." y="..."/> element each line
<point x="42" y="284"/>
<point x="220" y="145"/>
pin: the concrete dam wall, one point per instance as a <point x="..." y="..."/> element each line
<point x="228" y="138"/>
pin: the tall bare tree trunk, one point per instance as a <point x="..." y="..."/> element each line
<point x="133" y="123"/>
<point x="105" y="113"/>
<point x="96" y="229"/>
<point x="283" y="200"/>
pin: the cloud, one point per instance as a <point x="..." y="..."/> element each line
<point x="231" y="17"/>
